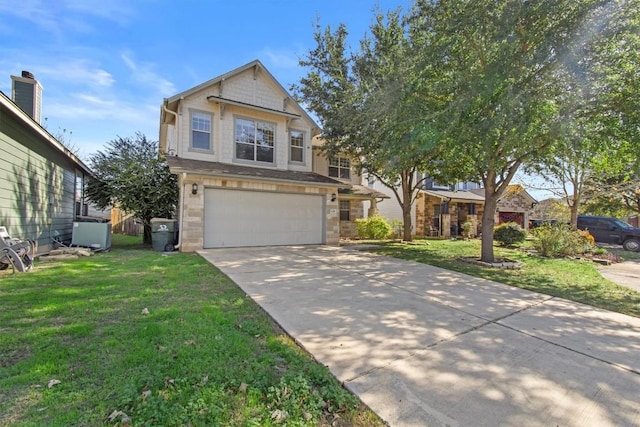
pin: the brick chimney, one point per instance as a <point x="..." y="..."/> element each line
<point x="26" y="92"/>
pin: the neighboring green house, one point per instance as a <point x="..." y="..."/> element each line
<point x="41" y="181"/>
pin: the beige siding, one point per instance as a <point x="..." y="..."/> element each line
<point x="243" y="88"/>
<point x="321" y="166"/>
<point x="37" y="186"/>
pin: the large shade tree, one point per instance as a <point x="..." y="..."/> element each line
<point x="131" y="175"/>
<point x="496" y="64"/>
<point x="598" y="104"/>
<point x="367" y="108"/>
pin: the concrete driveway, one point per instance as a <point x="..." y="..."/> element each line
<point x="624" y="273"/>
<point x="423" y="346"/>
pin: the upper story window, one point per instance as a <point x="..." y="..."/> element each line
<point x="296" y="146"/>
<point x="255" y="140"/>
<point x="340" y="167"/>
<point x="466" y="186"/>
<point x="201" y="131"/>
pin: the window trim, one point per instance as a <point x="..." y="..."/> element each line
<point x="191" y="130"/>
<point x="338" y="167"/>
<point x="302" y="147"/>
<point x="255" y="145"/>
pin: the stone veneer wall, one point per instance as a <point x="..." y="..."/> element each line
<point x="425" y="219"/>
<point x="192" y="222"/>
<point x="515" y="203"/>
<point x="348" y="228"/>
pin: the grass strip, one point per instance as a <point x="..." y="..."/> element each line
<point x="204" y="355"/>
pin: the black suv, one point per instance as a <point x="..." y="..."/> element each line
<point x="611" y="230"/>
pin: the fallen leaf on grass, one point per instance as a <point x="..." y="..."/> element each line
<point x="113" y="416"/>
<point x="145" y="395"/>
<point x="243" y="388"/>
<point x="52" y="383"/>
<point x="279" y="415"/>
<point x="145" y="311"/>
<point x="124" y="418"/>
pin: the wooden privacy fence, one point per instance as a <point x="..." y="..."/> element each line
<point x="122" y="223"/>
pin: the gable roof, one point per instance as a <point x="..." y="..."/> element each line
<point x="510" y="191"/>
<point x="7" y="104"/>
<point x="172" y="102"/>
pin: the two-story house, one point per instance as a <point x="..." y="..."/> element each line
<point x="242" y="149"/>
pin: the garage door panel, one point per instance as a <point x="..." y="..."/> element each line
<point x="251" y="218"/>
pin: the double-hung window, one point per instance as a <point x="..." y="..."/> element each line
<point x="296" y="146"/>
<point x="345" y="210"/>
<point x="339" y="167"/>
<point x="201" y="131"/>
<point x="255" y="140"/>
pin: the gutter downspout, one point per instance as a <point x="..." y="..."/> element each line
<point x="175" y="115"/>
<point x="184" y="177"/>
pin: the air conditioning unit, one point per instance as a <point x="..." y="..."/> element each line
<point x="94" y="235"/>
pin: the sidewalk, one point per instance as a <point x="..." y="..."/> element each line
<point x="624" y="273"/>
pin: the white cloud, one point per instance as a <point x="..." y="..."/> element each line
<point x="79" y="71"/>
<point x="144" y="73"/>
<point x="59" y="17"/>
<point x="118" y="11"/>
<point x="85" y="106"/>
<point x="279" y="58"/>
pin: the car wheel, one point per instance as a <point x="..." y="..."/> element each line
<point x="631" y="245"/>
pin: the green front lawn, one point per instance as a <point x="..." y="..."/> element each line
<point x="576" y="280"/>
<point x="205" y="355"/>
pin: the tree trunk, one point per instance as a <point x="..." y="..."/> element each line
<point x="488" y="222"/>
<point x="146" y="235"/>
<point x="406" y="210"/>
<point x="573" y="208"/>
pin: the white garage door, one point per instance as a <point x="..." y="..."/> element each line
<point x="253" y="218"/>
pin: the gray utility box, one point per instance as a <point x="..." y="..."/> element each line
<point x="94" y="235"/>
<point x="163" y="234"/>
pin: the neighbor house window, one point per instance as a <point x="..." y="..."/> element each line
<point x="255" y="140"/>
<point x="345" y="212"/>
<point x="296" y="146"/>
<point x="201" y="131"/>
<point x="472" y="208"/>
<point x="340" y="167"/>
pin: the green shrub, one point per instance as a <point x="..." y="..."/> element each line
<point x="560" y="240"/>
<point x="550" y="240"/>
<point x="581" y="242"/>
<point x="374" y="227"/>
<point x="397" y="228"/>
<point x="465" y="229"/>
<point x="509" y="233"/>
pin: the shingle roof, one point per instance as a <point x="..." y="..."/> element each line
<point x="455" y="196"/>
<point x="178" y="164"/>
<point x="360" y="191"/>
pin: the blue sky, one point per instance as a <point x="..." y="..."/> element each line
<point x="106" y="65"/>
